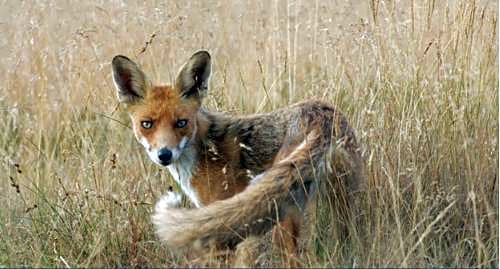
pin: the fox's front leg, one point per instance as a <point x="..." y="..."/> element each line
<point x="170" y="200"/>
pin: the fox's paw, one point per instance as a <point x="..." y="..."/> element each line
<point x="170" y="200"/>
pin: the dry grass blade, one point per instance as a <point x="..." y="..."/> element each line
<point x="417" y="79"/>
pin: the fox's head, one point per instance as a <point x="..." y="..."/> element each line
<point x="164" y="118"/>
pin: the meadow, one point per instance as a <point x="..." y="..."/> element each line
<point x="418" y="80"/>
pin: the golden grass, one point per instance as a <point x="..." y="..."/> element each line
<point x="417" y="79"/>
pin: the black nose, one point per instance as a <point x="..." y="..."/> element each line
<point x="165" y="156"/>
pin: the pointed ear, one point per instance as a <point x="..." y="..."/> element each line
<point x="130" y="81"/>
<point x="193" y="77"/>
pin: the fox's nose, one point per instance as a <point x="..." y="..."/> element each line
<point x="165" y="156"/>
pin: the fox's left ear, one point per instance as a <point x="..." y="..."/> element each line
<point x="194" y="76"/>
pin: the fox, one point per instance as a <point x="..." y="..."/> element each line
<point x="244" y="175"/>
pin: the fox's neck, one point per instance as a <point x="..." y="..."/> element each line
<point x="187" y="166"/>
<point x="210" y="126"/>
<point x="182" y="171"/>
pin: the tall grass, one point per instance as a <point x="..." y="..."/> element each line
<point x="417" y="79"/>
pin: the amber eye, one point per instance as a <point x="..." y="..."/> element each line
<point x="181" y="123"/>
<point x="147" y="124"/>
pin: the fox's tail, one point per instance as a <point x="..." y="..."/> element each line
<point x="256" y="208"/>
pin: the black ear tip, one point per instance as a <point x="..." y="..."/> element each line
<point x="202" y="53"/>
<point x="120" y="58"/>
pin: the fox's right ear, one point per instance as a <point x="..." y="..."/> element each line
<point x="130" y="81"/>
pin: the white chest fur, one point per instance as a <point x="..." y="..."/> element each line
<point x="182" y="171"/>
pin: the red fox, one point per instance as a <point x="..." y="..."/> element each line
<point x="244" y="175"/>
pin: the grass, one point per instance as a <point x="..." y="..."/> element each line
<point x="417" y="79"/>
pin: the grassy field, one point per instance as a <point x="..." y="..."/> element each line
<point x="417" y="79"/>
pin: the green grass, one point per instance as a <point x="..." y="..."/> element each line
<point x="417" y="79"/>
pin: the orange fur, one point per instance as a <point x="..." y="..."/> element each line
<point x="216" y="157"/>
<point x="163" y="105"/>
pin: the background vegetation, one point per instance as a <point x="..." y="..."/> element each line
<point x="417" y="79"/>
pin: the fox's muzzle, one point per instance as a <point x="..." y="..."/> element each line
<point x="165" y="156"/>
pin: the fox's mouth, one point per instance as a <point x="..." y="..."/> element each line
<point x="165" y="156"/>
<point x="164" y="163"/>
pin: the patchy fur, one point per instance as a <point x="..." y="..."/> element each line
<point x="244" y="174"/>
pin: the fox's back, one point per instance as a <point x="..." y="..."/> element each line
<point x="260" y="136"/>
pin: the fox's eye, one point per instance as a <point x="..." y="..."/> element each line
<point x="181" y="123"/>
<point x="146" y="124"/>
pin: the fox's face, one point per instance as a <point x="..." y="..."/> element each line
<point x="164" y="118"/>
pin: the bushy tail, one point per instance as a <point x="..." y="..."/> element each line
<point x="255" y="209"/>
<point x="248" y="211"/>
